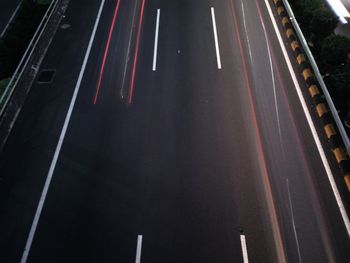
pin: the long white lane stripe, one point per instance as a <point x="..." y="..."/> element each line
<point x="60" y="142"/>
<point x="156" y="42"/>
<point x="311" y="125"/>
<point x="244" y="249"/>
<point x="139" y="248"/>
<point x="293" y="221"/>
<point x="246" y="33"/>
<point x="272" y="74"/>
<point x="216" y="38"/>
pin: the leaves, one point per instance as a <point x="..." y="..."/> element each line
<point x="335" y="50"/>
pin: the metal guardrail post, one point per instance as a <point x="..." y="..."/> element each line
<point x="5" y="98"/>
<point x="319" y="77"/>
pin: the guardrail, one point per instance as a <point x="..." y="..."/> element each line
<point x="10" y="88"/>
<point x="318" y="75"/>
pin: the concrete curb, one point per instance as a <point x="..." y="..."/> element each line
<point x="321" y="106"/>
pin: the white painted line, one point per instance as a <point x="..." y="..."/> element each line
<point x="274" y="87"/>
<point x="272" y="74"/>
<point x="311" y="125"/>
<point x="216" y="38"/>
<point x="139" y="248"/>
<point x="156" y="42"/>
<point x="293" y="221"/>
<point x="244" y="249"/>
<point x="127" y="57"/>
<point x="246" y="33"/>
<point x="60" y="142"/>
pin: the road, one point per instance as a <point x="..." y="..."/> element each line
<point x="202" y="153"/>
<point x="7" y="10"/>
<point x="346" y="3"/>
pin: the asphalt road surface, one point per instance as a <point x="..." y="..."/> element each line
<point x="183" y="140"/>
<point x="346" y="3"/>
<point x="7" y="10"/>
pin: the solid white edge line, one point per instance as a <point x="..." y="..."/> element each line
<point x="216" y="38"/>
<point x="156" y="42"/>
<point x="311" y="125"/>
<point x="244" y="249"/>
<point x="138" y="249"/>
<point x="60" y="142"/>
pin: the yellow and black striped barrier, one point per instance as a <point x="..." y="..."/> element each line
<point x="321" y="107"/>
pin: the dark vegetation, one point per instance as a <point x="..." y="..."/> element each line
<point x="331" y="51"/>
<point x="18" y="36"/>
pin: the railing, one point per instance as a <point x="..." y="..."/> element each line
<point x="10" y="88"/>
<point x="319" y="77"/>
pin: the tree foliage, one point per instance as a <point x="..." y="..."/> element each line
<point x="331" y="51"/>
<point x="323" y="23"/>
<point x="335" y="50"/>
<point x="340" y="87"/>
